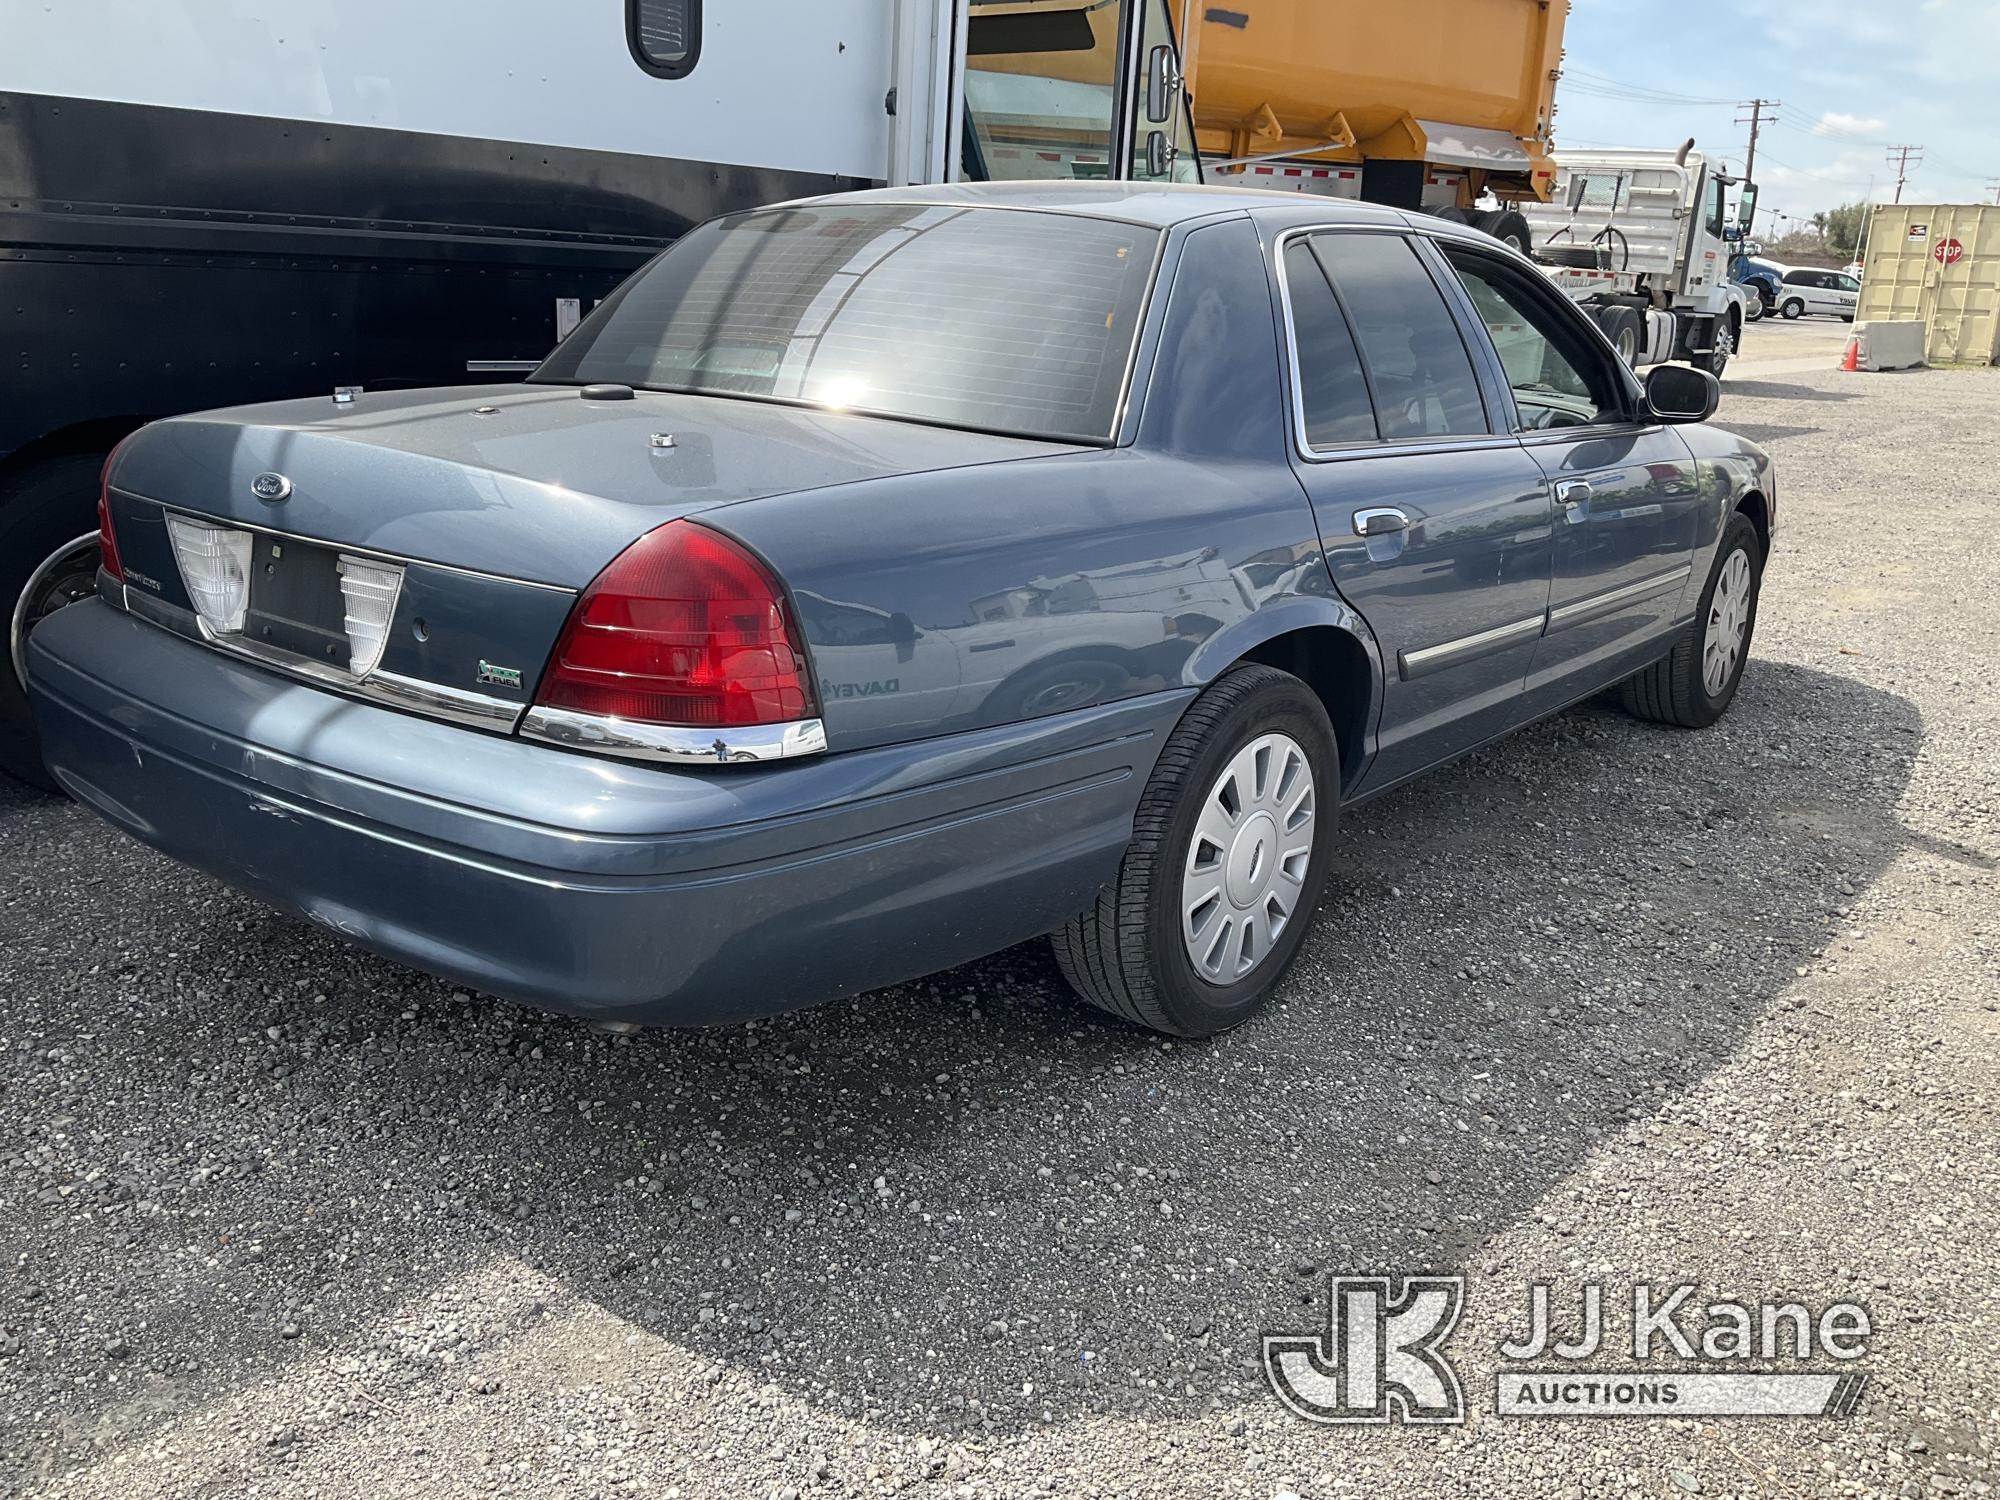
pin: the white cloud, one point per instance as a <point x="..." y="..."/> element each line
<point x="1834" y="122"/>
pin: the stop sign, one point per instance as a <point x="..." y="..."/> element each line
<point x="1949" y="252"/>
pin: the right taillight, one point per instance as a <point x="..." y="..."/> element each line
<point x="685" y="630"/>
<point x="107" y="539"/>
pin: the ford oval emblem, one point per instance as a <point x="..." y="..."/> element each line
<point x="271" y="487"/>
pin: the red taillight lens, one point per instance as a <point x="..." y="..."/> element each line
<point x="107" y="539"/>
<point x="684" y="628"/>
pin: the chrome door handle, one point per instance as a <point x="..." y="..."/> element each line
<point x="1384" y="520"/>
<point x="1574" y="492"/>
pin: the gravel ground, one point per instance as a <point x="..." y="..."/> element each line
<point x="1606" y="1001"/>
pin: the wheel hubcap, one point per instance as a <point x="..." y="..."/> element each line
<point x="1246" y="864"/>
<point x="1728" y="625"/>
<point x="66" y="576"/>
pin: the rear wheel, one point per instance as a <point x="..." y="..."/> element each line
<point x="1509" y="226"/>
<point x="48" y="560"/>
<point x="1694" y="684"/>
<point x="1626" y="330"/>
<point x="1227" y="862"/>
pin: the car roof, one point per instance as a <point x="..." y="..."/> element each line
<point x="1160" y="205"/>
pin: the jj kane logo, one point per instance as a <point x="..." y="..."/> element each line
<point x="1381" y="1356"/>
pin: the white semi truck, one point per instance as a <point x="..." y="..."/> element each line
<point x="1642" y="240"/>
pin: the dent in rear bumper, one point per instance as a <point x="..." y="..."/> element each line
<point x="668" y="896"/>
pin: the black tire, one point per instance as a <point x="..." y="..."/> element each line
<point x="1792" y="309"/>
<point x="1126" y="954"/>
<point x="1754" y="312"/>
<point x="41" y="512"/>
<point x="1627" y="332"/>
<point x="1671" y="690"/>
<point x="1509" y="226"/>
<point x="1722" y="344"/>
<point x="1455" y="215"/>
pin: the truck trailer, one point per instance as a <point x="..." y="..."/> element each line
<point x="207" y="205"/>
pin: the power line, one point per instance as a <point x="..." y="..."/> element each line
<point x="1758" y="119"/>
<point x="1899" y="158"/>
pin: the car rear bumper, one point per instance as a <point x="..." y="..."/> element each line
<point x="582" y="884"/>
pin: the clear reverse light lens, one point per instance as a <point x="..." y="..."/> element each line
<point x="369" y="589"/>
<point x="215" y="566"/>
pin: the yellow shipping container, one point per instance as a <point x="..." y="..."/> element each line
<point x="1939" y="265"/>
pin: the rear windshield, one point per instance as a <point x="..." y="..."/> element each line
<point x="999" y="319"/>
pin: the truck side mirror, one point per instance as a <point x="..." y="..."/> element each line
<point x="1160" y="85"/>
<point x="1746" y="209"/>
<point x="1159" y="157"/>
<point x="1681" y="393"/>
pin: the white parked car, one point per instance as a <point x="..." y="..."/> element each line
<point x="1832" y="293"/>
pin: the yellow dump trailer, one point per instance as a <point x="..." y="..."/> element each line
<point x="1939" y="265"/>
<point x="1412" y="96"/>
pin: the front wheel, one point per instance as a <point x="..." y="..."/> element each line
<point x="1793" y="310"/>
<point x="1693" y="685"/>
<point x="1716" y="361"/>
<point x="1228" y="858"/>
<point x="1753" y="310"/>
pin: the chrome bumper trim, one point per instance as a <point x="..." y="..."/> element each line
<point x="389" y="689"/>
<point x="674" y="746"/>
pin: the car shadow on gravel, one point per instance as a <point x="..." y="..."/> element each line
<point x="962" y="1204"/>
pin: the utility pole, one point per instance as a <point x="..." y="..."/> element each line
<point x="1761" y="114"/>
<point x="1900" y="159"/>
<point x="1995" y="186"/>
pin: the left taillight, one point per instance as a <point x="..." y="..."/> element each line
<point x="107" y="539"/>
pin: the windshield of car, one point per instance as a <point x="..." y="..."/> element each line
<point x="998" y="319"/>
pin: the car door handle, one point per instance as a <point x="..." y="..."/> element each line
<point x="1574" y="492"/>
<point x="1385" y="520"/>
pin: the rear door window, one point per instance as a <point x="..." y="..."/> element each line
<point x="1333" y="393"/>
<point x="1418" y="366"/>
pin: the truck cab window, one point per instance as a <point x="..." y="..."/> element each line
<point x="664" y="35"/>
<point x="1041" y="86"/>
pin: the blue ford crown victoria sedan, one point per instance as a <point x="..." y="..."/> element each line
<point x="875" y="582"/>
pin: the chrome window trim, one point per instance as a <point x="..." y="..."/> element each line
<point x="1596" y="606"/>
<point x="433" y="700"/>
<point x="673" y="745"/>
<point x="1382" y="448"/>
<point x="373" y="553"/>
<point x="1421" y="663"/>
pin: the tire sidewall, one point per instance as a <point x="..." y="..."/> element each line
<point x="1192" y="1004"/>
<point x="1738" y="536"/>
<point x="45" y="508"/>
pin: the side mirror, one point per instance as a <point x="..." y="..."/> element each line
<point x="1159" y="156"/>
<point x="1160" y="84"/>
<point x="1746" y="209"/>
<point x="1681" y="393"/>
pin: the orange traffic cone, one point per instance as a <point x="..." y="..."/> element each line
<point x="1852" y="361"/>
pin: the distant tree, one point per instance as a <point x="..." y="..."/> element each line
<point x="1841" y="228"/>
